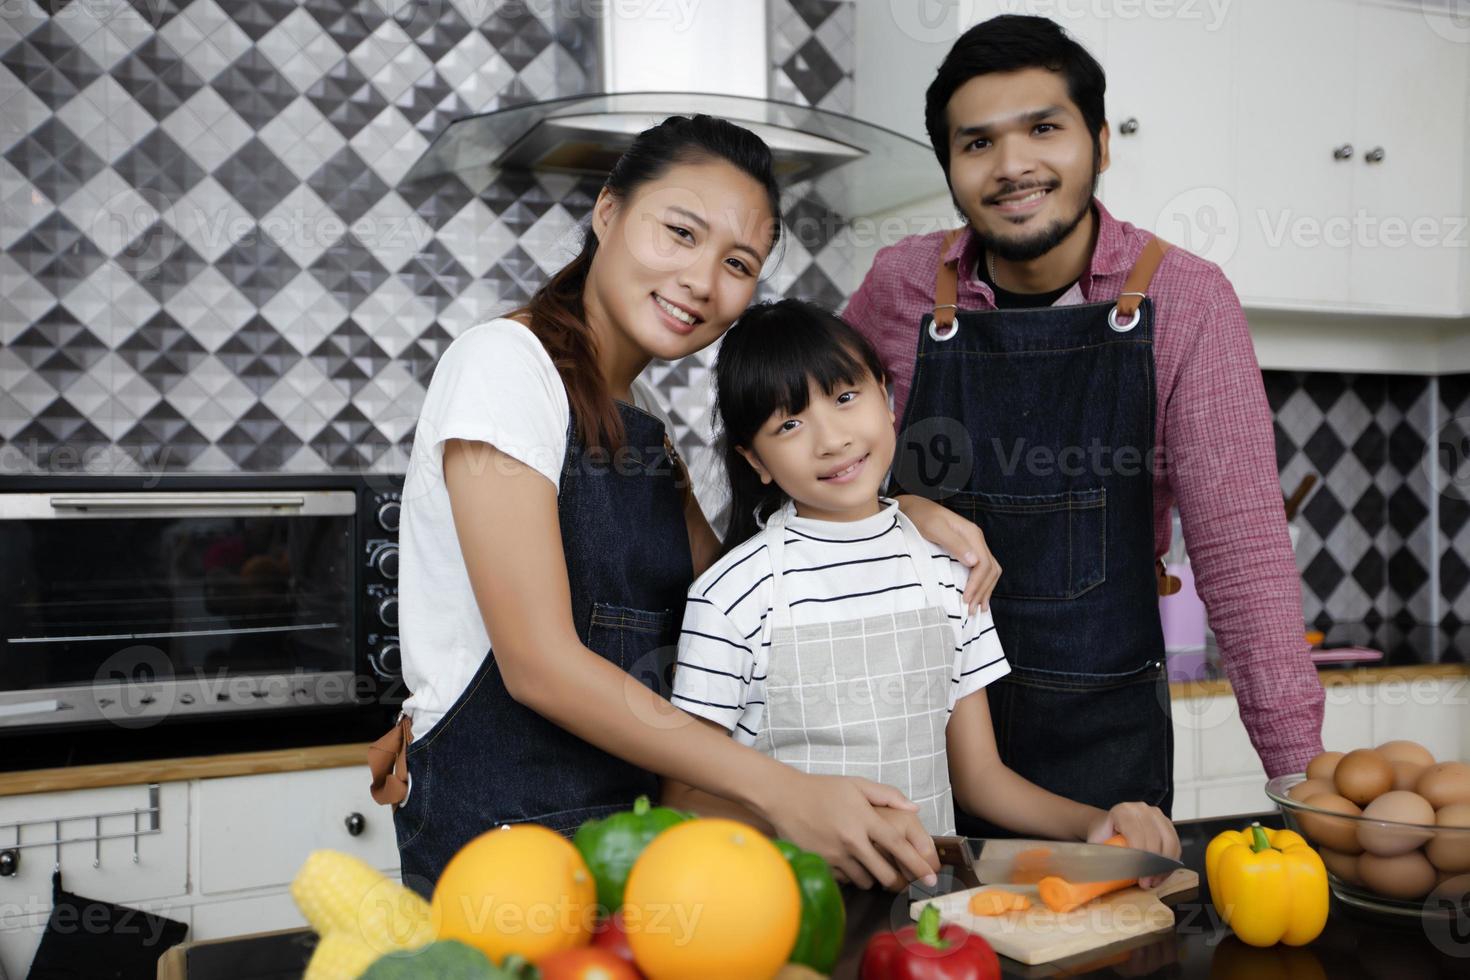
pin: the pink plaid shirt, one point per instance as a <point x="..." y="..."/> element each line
<point x="1214" y="431"/>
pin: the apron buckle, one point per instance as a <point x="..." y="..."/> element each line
<point x="1132" y="314"/>
<point x="954" y="324"/>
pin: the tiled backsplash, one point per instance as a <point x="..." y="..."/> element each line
<point x="208" y="260"/>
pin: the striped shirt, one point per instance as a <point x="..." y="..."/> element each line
<point x="834" y="571"/>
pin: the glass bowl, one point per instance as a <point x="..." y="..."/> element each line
<point x="1404" y="887"/>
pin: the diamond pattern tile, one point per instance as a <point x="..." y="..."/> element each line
<point x="163" y="440"/>
<point x="348" y="24"/>
<point x="56" y="253"/>
<point x="259" y="441"/>
<point x="157" y="77"/>
<point x="435" y="275"/>
<point x="58" y="348"/>
<point x="162" y="351"/>
<point x="257" y="355"/>
<point x="257" y="267"/>
<point x="390" y="59"/>
<point x="346" y="97"/>
<point x="51" y="65"/>
<point x="349" y="357"/>
<point x="301" y="138"/>
<point x="254" y="88"/>
<point x="516" y="34"/>
<point x="256" y="178"/>
<point x="53" y="159"/>
<point x="157" y="163"/>
<point x="206" y="37"/>
<point x="301" y="49"/>
<point x="348" y="271"/>
<point x="349" y="440"/>
<point x="347" y="185"/>
<point x="431" y="104"/>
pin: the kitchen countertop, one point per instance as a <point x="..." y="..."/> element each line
<point x="1410" y="653"/>
<point x="1352" y="946"/>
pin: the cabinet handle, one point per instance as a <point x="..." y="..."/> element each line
<point x="1344" y="152"/>
<point x="355" y="824"/>
<point x="1374" y="155"/>
<point x="1129" y="126"/>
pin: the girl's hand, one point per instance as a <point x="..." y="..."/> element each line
<point x="842" y="818"/>
<point x="1144" y="827"/>
<point x="960" y="538"/>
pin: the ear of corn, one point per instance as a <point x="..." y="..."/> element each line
<point x="339" y="956"/>
<point x="341" y="894"/>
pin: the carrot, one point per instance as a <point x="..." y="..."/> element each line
<point x="1061" y="895"/>
<point x="998" y="901"/>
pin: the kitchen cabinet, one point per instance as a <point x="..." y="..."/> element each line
<point x="1217" y="771"/>
<point x="222" y="861"/>
<point x="1317" y="150"/>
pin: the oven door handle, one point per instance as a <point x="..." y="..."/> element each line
<point x="166" y="502"/>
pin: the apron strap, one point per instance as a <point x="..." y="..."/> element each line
<point x="947" y="284"/>
<point x="920" y="555"/>
<point x="388" y="763"/>
<point x="775" y="535"/>
<point x="1135" y="287"/>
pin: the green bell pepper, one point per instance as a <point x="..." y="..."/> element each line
<point x="612" y="844"/>
<point x="823" y="916"/>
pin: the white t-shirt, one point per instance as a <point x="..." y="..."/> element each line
<point x="495" y="384"/>
<point x="834" y="571"/>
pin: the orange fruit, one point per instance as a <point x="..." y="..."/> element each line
<point x="519" y="889"/>
<point x="711" y="900"/>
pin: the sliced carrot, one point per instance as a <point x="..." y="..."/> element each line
<point x="1061" y="895"/>
<point x="998" y="901"/>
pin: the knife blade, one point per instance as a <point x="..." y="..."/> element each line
<point x="1006" y="861"/>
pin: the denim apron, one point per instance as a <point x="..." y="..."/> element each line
<point x="490" y="760"/>
<point x="863" y="697"/>
<point x="1038" y="425"/>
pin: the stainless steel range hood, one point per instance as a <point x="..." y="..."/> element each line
<point x="647" y="65"/>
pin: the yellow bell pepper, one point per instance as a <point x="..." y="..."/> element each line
<point x="1268" y="885"/>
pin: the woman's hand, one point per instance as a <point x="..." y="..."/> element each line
<point x="1144" y="827"/>
<point x="854" y="825"/>
<point x="960" y="538"/>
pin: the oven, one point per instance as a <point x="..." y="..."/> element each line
<point x="134" y="601"/>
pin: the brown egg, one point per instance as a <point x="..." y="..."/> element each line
<point x="1405" y="876"/>
<point x="1344" y="866"/>
<point x="1449" y="851"/>
<point x="1403" y="750"/>
<point x="1333" y="832"/>
<point x="1406" y="774"/>
<point x="1363" y="775"/>
<point x="1322" y="766"/>
<point x="1310" y="787"/>
<point x="1399" y="807"/>
<point x="1445" y="783"/>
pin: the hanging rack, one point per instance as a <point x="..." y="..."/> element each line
<point x="10" y="854"/>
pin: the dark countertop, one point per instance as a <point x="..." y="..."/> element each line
<point x="1352" y="946"/>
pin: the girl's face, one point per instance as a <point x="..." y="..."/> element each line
<point x="831" y="457"/>
<point x="678" y="260"/>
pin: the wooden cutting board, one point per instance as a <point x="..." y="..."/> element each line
<point x="1040" y="935"/>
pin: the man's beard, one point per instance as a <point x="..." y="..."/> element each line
<point x="1036" y="245"/>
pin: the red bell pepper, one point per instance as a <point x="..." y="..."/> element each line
<point x="928" y="951"/>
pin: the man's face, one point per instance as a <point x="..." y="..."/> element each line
<point x="1021" y="166"/>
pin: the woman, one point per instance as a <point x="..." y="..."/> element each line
<point x="543" y="520"/>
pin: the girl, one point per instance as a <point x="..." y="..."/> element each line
<point x="831" y="636"/>
<point x="547" y="548"/>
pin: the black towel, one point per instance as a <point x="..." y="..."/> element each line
<point x="86" y="939"/>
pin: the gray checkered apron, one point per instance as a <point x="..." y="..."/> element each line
<point x="863" y="697"/>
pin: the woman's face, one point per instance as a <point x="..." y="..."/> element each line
<point x="831" y="457"/>
<point x="678" y="260"/>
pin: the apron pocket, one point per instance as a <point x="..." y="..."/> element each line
<point x="1062" y="536"/>
<point x="639" y="641"/>
<point x="1101" y="739"/>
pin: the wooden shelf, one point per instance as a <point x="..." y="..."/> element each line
<point x="1334" y="677"/>
<point x="191" y="767"/>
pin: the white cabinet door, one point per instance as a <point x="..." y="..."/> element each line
<point x="1409" y="208"/>
<point x="1294" y="82"/>
<point x="1169" y="110"/>
<point x="255" y="831"/>
<point x="162" y="869"/>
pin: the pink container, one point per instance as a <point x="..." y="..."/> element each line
<point x="1183" y="613"/>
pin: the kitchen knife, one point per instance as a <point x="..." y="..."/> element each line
<point x="980" y="861"/>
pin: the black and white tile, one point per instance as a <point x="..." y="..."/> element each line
<point x="1365" y="533"/>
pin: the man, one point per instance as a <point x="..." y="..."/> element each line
<point x="1074" y="378"/>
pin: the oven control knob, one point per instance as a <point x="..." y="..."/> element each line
<point x="390" y="660"/>
<point x="388" y="515"/>
<point x="388" y="611"/>
<point x="386" y="562"/>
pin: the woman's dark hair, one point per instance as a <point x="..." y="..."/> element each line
<point x="766" y="364"/>
<point x="1012" y="42"/>
<point x="557" y="316"/>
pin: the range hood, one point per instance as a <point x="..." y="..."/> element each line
<point x="646" y="66"/>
